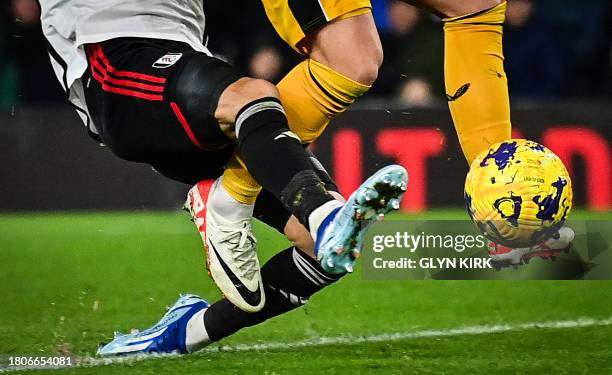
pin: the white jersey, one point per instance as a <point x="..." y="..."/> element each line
<point x="70" y="24"/>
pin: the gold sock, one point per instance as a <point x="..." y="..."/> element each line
<point x="476" y="84"/>
<point x="312" y="95"/>
<point x="238" y="182"/>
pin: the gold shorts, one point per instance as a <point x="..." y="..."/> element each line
<point x="295" y="19"/>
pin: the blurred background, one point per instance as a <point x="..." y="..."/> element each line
<point x="558" y="60"/>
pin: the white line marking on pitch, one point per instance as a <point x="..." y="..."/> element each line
<point x="353" y="340"/>
<point x="434" y="333"/>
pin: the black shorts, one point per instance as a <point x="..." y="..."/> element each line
<point x="153" y="101"/>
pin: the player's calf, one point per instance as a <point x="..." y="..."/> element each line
<point x="291" y="277"/>
<point x="273" y="154"/>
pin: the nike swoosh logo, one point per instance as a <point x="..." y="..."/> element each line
<point x="253" y="298"/>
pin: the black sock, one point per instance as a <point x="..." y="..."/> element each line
<point x="271" y="211"/>
<point x="289" y="278"/>
<point x="276" y="158"/>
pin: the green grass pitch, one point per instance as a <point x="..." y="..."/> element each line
<point x="67" y="281"/>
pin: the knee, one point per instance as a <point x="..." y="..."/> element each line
<point x="367" y="65"/>
<point x="488" y="4"/>
<point x="250" y="89"/>
<point x="361" y="66"/>
<point x="350" y="47"/>
<point x="237" y="95"/>
<point x="461" y="8"/>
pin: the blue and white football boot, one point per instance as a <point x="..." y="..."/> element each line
<point x="340" y="236"/>
<point x="169" y="335"/>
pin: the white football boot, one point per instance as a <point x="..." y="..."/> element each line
<point x="560" y="242"/>
<point x="230" y="245"/>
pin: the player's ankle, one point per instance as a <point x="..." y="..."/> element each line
<point x="222" y="203"/>
<point x="196" y="336"/>
<point x="320" y="218"/>
<point x="304" y="194"/>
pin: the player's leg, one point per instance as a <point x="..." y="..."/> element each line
<point x="343" y="53"/>
<point x="250" y="110"/>
<point x="270" y="211"/>
<point x="274" y="155"/>
<point x="225" y="227"/>
<point x="449" y="8"/>
<point x="290" y="277"/>
<point x="476" y="83"/>
<point x="478" y="95"/>
<point x="315" y="91"/>
<point x="198" y="104"/>
<point x="142" y="121"/>
<point x="344" y="56"/>
<point x="322" y="86"/>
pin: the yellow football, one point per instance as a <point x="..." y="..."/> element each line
<point x="518" y="193"/>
